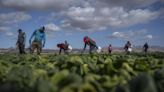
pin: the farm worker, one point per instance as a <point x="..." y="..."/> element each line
<point x="65" y="47"/>
<point x="146" y="47"/>
<point x="66" y="44"/>
<point x="110" y="49"/>
<point x="21" y="41"/>
<point x="38" y="41"/>
<point x="91" y="43"/>
<point x="128" y="47"/>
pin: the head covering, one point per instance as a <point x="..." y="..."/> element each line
<point x="42" y="29"/>
<point x="85" y="39"/>
<point x="19" y="30"/>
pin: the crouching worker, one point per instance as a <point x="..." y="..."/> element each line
<point x="91" y="43"/>
<point x="128" y="47"/>
<point x="38" y="41"/>
<point x="65" y="47"/>
<point x="21" y="41"/>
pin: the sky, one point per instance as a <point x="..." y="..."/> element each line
<point x="106" y="21"/>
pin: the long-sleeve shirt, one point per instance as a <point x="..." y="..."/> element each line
<point x="21" y="38"/>
<point x="89" y="41"/>
<point x="110" y="48"/>
<point x="38" y="36"/>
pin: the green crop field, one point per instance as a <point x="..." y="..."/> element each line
<point x="136" y="72"/>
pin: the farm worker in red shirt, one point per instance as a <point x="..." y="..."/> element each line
<point x="91" y="43"/>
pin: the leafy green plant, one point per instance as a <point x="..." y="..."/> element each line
<point x="82" y="73"/>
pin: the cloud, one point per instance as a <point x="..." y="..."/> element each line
<point x="10" y="19"/>
<point x="55" y="5"/>
<point x="49" y="17"/>
<point x="127" y="3"/>
<point x="118" y="35"/>
<point x="87" y="15"/>
<point x="68" y="34"/>
<point x="13" y="17"/>
<point x="81" y="18"/>
<point x="9" y="34"/>
<point x="4" y="29"/>
<point x="149" y="37"/>
<point x="50" y="29"/>
<point x="58" y="5"/>
<point x="90" y="18"/>
<point x="138" y="16"/>
<point x="162" y="1"/>
<point x="132" y="35"/>
<point x="121" y="35"/>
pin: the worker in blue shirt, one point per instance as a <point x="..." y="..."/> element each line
<point x="38" y="41"/>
